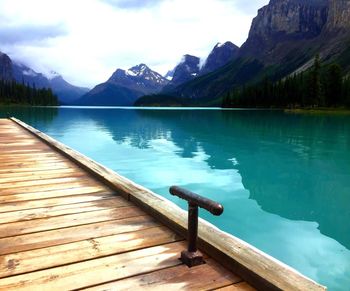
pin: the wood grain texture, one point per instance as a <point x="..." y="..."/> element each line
<point x="65" y="225"/>
<point x="242" y="286"/>
<point x="204" y="277"/>
<point x="43" y="193"/>
<point x="59" y="210"/>
<point x="33" y="260"/>
<point x="250" y="263"/>
<point x="69" y="220"/>
<point x="97" y="271"/>
<point x="49" y="238"/>
<point x="70" y="198"/>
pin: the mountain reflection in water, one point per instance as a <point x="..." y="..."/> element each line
<point x="284" y="179"/>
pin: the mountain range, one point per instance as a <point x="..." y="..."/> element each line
<point x="66" y="92"/>
<point x="125" y="87"/>
<point x="284" y="38"/>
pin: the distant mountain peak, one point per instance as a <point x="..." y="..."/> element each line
<point x="225" y="44"/>
<point x="6" y="70"/>
<point x="138" y="70"/>
<point x="140" y="76"/>
<point x="221" y="54"/>
<point x="124" y="87"/>
<point x="186" y="70"/>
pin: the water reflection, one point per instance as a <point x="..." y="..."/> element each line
<point x="284" y="179"/>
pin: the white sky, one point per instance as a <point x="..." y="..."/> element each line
<point x="87" y="40"/>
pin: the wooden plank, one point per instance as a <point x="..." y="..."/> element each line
<point x="10" y="140"/>
<point x="24" y="175"/>
<point x="204" y="277"/>
<point x="17" y="164"/>
<point x="64" y="173"/>
<point x="30" y="162"/>
<point x="31" y="168"/>
<point x="29" y="157"/>
<point x="37" y="225"/>
<point x="242" y="286"/>
<point x="44" y="258"/>
<point x="7" y="145"/>
<point x="56" y="201"/>
<point x="44" y="185"/>
<point x="25" y="151"/>
<point x="250" y="263"/>
<point x="46" y="212"/>
<point x="72" y="178"/>
<point x="22" y="149"/>
<point x="59" y="190"/>
<point x="97" y="271"/>
<point x="20" y="155"/>
<point x="72" y="234"/>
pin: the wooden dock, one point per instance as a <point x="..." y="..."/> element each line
<point x="67" y="222"/>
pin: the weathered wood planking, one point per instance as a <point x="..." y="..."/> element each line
<point x="58" y="210"/>
<point x="44" y="258"/>
<point x="250" y="263"/>
<point x="62" y="229"/>
<point x="212" y="276"/>
<point x="68" y="220"/>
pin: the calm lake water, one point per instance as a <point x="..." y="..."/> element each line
<point x="284" y="179"/>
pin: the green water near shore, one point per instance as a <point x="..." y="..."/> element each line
<point x="283" y="178"/>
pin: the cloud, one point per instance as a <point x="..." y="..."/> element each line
<point x="87" y="40"/>
<point x="30" y="34"/>
<point x="249" y="7"/>
<point x="132" y="4"/>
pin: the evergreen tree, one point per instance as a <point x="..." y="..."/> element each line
<point x="313" y="96"/>
<point x="333" y="85"/>
<point x="16" y="93"/>
<point x="314" y="87"/>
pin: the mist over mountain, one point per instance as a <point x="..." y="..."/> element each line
<point x="66" y="92"/>
<point x="283" y="39"/>
<point x="185" y="71"/>
<point x="6" y="72"/>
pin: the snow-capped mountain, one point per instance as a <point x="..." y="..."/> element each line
<point x="124" y="87"/>
<point x="140" y="78"/>
<point x="185" y="71"/>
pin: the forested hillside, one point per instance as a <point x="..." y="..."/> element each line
<point x="13" y="93"/>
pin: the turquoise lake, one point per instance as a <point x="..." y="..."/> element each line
<point x="283" y="178"/>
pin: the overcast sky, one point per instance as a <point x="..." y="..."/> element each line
<point x="87" y="40"/>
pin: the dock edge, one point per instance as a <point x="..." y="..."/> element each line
<point x="257" y="268"/>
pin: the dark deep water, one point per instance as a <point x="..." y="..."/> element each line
<point x="284" y="179"/>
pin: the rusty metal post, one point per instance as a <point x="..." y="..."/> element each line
<point x="192" y="257"/>
<point x="192" y="227"/>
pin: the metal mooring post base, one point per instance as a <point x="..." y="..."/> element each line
<point x="192" y="259"/>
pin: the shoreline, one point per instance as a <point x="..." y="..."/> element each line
<point x="322" y="110"/>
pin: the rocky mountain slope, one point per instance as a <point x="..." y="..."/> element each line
<point x="65" y="91"/>
<point x="185" y="71"/>
<point x="124" y="87"/>
<point x="284" y="37"/>
<point x="5" y="67"/>
<point x="220" y="56"/>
